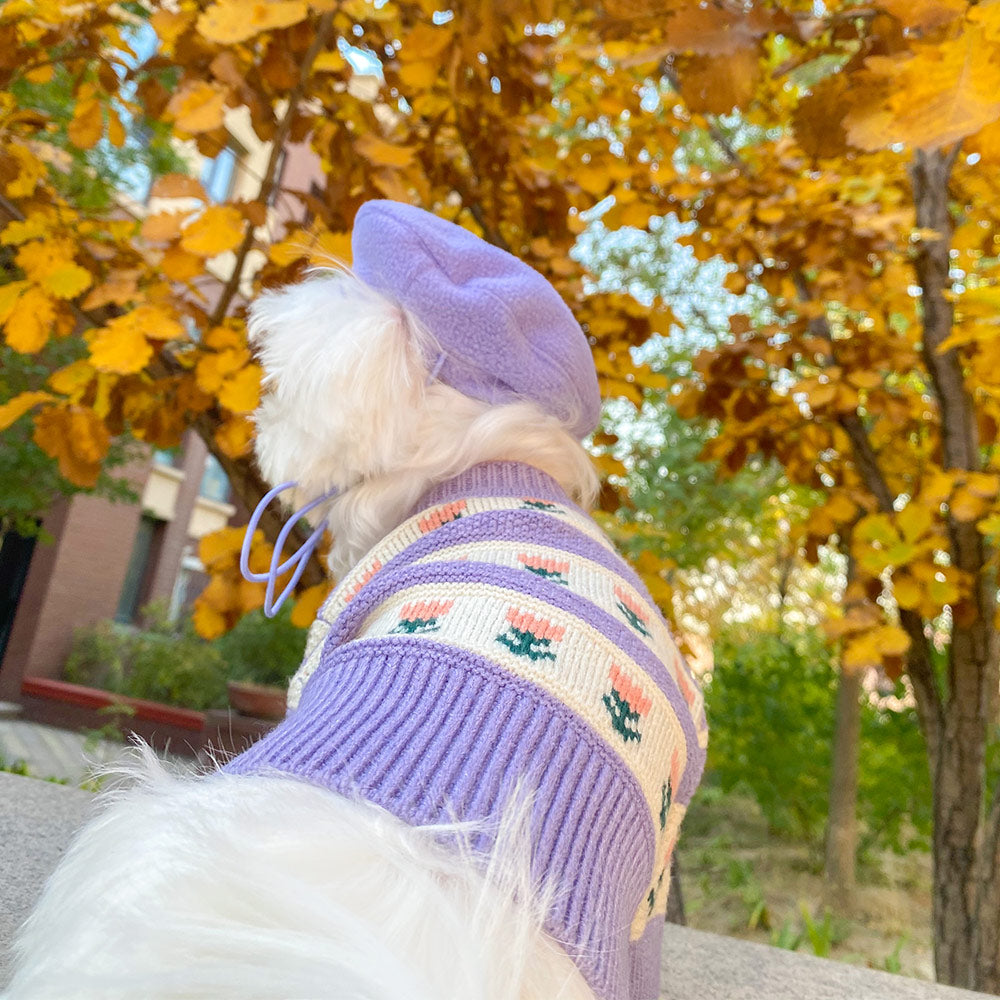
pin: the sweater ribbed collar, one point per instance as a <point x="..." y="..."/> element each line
<point x="496" y="479"/>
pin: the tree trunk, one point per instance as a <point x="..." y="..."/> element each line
<point x="842" y="822"/>
<point x="966" y="896"/>
<point x="966" y="900"/>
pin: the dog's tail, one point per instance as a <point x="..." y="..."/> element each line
<point x="229" y="886"/>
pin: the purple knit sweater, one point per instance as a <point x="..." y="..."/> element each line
<point x="494" y="639"/>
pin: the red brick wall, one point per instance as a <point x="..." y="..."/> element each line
<point x="73" y="581"/>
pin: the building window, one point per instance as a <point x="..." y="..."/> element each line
<point x="169" y="457"/>
<point x="214" y="481"/>
<point x="135" y="587"/>
<point x="190" y="582"/>
<point x="218" y="174"/>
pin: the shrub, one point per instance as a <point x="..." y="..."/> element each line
<point x="100" y="656"/>
<point x="263" y="650"/>
<point x="770" y="709"/>
<point x="770" y="703"/>
<point x="180" y="670"/>
<point x="161" y="663"/>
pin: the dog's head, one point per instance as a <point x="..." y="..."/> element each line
<point x="351" y="401"/>
<point x="344" y="376"/>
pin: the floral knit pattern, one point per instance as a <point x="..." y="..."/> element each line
<point x="502" y="640"/>
<point x="421" y="617"/>
<point x="529" y="636"/>
<point x="548" y="569"/>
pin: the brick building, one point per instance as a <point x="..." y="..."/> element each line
<point x="106" y="560"/>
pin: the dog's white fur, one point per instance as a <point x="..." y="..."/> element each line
<point x="230" y="886"/>
<point x="349" y="406"/>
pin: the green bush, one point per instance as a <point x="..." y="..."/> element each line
<point x="168" y="662"/>
<point x="770" y="710"/>
<point x="100" y="656"/>
<point x="770" y="703"/>
<point x="160" y="663"/>
<point x="263" y="650"/>
<point x="179" y="670"/>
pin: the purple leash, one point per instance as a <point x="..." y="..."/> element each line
<point x="297" y="560"/>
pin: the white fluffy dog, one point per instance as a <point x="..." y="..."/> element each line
<point x="273" y="882"/>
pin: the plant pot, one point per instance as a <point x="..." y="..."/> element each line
<point x="259" y="701"/>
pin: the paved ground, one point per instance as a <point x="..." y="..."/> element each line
<point x="49" y="752"/>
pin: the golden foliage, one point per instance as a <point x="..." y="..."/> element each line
<point x="515" y="133"/>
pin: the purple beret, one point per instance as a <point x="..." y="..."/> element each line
<point x="505" y="332"/>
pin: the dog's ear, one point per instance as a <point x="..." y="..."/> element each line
<point x="344" y="374"/>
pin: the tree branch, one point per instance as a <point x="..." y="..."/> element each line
<point x="270" y="173"/>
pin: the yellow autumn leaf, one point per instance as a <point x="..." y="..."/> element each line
<point x="868" y="649"/>
<point x="891" y="640"/>
<point x="119" y="288"/>
<point x="73" y="379"/>
<point x="383" y="154"/>
<point x="198" y="106"/>
<point x="50" y="264"/>
<point x="178" y="186"/>
<point x="30" y="170"/>
<point x="87" y="126"/>
<point x="425" y="41"/>
<point x="179" y="265"/>
<point x="30" y="228"/>
<point x="330" y="61"/>
<point x="123" y="345"/>
<point x="17" y="407"/>
<point x="77" y="438"/>
<point x="30" y="322"/>
<point x="937" y="95"/>
<point x="966" y="505"/>
<point x="241" y="392"/>
<point x="223" y="546"/>
<point x="208" y="622"/>
<point x="216" y="230"/>
<point x="943" y="588"/>
<point x="906" y="590"/>
<point x="116" y="130"/>
<point x="169" y="26"/>
<point x="308" y="604"/>
<point x="9" y="294"/>
<point x="161" y="227"/>
<point x="914" y="521"/>
<point x="213" y="369"/>
<point x="230" y="21"/>
<point x="233" y="436"/>
<point x="419" y="75"/>
<point x="220" y="338"/>
<point x="989" y="525"/>
<point x="120" y="347"/>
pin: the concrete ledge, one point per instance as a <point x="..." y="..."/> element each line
<point x="37" y="820"/>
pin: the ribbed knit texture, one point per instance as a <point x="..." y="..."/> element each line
<point x="495" y="641"/>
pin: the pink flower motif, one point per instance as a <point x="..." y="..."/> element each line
<point x="368" y="574"/>
<point x="540" y="628"/>
<point x="442" y="515"/>
<point x="629" y="690"/>
<point x="425" y="610"/>
<point x="541" y="563"/>
<point x="633" y="605"/>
